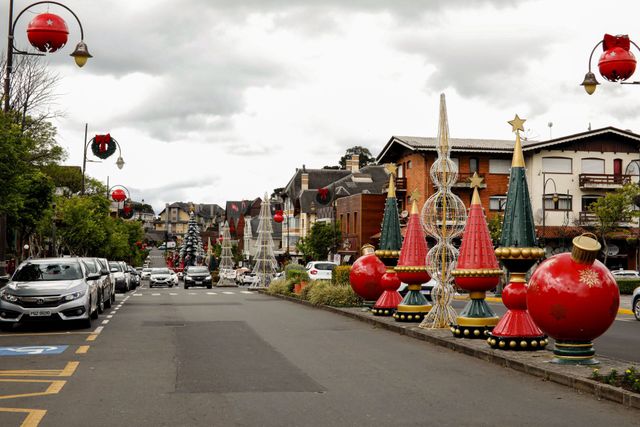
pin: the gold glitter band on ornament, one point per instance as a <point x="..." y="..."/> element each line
<point x="477" y="321"/>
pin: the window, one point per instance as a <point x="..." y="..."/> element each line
<point x="557" y="165"/>
<point x="408" y="164"/>
<point x="456" y="162"/>
<point x="348" y="223"/>
<point x="558" y="202"/>
<point x="595" y="166"/>
<point x="355" y="222"/>
<point x="473" y="165"/>
<point x="587" y="201"/>
<point x="400" y="171"/>
<point x="499" y="166"/>
<point x="497" y="203"/>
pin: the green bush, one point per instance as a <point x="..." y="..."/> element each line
<point x="340" y="275"/>
<point x="280" y="287"/>
<point x="627" y="286"/>
<point x="304" y="293"/>
<point x="293" y="266"/>
<point x="324" y="293"/>
<point x="297" y="275"/>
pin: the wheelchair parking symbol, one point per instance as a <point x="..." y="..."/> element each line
<point x="37" y="350"/>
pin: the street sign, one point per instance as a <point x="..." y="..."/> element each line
<point x="36" y="350"/>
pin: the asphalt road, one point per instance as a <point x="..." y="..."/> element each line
<point x="229" y="357"/>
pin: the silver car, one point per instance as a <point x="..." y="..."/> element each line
<point x="50" y="289"/>
<point x="118" y="276"/>
<point x="162" y="277"/>
<point x="104" y="282"/>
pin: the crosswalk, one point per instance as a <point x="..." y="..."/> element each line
<point x="142" y="292"/>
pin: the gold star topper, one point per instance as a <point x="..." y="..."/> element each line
<point x="415" y="195"/>
<point x="517" y="124"/>
<point x="391" y="168"/>
<point x="476" y="180"/>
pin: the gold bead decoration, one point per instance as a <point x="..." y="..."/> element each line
<point x="501" y="344"/>
<point x="457" y="331"/>
<point x="493" y="341"/>
<point x="489" y="341"/>
<point x="526" y="253"/>
<point x="515" y="252"/>
<point x="476" y="333"/>
<point x="513" y="344"/>
<point x="523" y="344"/>
<point x="409" y="317"/>
<point x="466" y="332"/>
<point x="402" y="316"/>
<point x="534" y="343"/>
<point x="453" y="330"/>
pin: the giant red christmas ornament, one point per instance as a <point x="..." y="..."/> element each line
<point x="118" y="195"/>
<point x="477" y="271"/>
<point x="278" y="217"/>
<point x="47" y="32"/>
<point x="366" y="273"/>
<point x="574" y="298"/>
<point x="616" y="62"/>
<point x="411" y="269"/>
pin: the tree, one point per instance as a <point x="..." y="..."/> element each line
<point x="84" y="227"/>
<point x="614" y="209"/>
<point x="323" y="238"/>
<point x="365" y="156"/>
<point x="494" y="223"/>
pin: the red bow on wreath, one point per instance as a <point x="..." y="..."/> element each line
<point x="103" y="141"/>
<point x="323" y="193"/>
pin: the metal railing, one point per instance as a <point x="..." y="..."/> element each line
<point x="603" y="179"/>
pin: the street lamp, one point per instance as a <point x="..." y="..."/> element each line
<point x="554" y="197"/>
<point x="282" y="218"/>
<point x="104" y="150"/>
<point x="44" y="39"/>
<point x="616" y="64"/>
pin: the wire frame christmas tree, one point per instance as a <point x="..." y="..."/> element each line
<point x="191" y="250"/>
<point x="443" y="217"/>
<point x="265" y="267"/>
<point x="226" y="257"/>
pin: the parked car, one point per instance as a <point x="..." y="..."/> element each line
<point x="134" y="277"/>
<point x="106" y="270"/>
<point x="146" y="273"/>
<point x="626" y="274"/>
<point x="426" y="289"/>
<point x="118" y="276"/>
<point x="635" y="304"/>
<point x="162" y="276"/>
<point x="320" y="270"/>
<point x="249" y="279"/>
<point x="197" y="276"/>
<point x="103" y="282"/>
<point x="50" y="289"/>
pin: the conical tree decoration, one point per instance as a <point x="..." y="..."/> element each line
<point x="265" y="267"/>
<point x="191" y="249"/>
<point x="389" y="251"/>
<point x="518" y="253"/>
<point x="411" y="269"/>
<point x="477" y="271"/>
<point x="226" y="258"/>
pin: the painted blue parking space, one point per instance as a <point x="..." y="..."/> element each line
<point x="33" y="350"/>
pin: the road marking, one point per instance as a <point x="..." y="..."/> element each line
<point x="228" y="293"/>
<point x="192" y="293"/>
<point x="67" y="371"/>
<point x="212" y="293"/>
<point x="137" y="295"/>
<point x="32" y="419"/>
<point x="83" y="349"/>
<point x="45" y="334"/>
<point x="54" y="388"/>
<point x="92" y="337"/>
<point x="246" y="292"/>
<point x="104" y="322"/>
<point x="33" y="350"/>
<point x="172" y="293"/>
<point x="155" y="295"/>
<point x="110" y="316"/>
<point x="98" y="329"/>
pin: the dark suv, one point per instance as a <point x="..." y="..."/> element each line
<point x="197" y="276"/>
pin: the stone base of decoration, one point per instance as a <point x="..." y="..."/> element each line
<point x="517" y="343"/>
<point x="574" y="353"/>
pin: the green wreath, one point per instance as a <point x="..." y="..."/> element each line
<point x="103" y="146"/>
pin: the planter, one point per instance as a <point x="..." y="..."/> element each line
<point x="298" y="287"/>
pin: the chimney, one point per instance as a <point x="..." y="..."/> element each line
<point x="304" y="181"/>
<point x="347" y="165"/>
<point x="355" y="163"/>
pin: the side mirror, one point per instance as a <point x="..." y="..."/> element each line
<point x="93" y="276"/>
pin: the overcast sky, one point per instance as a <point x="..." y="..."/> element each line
<point x="222" y="100"/>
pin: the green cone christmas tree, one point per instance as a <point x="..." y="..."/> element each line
<point x="191" y="251"/>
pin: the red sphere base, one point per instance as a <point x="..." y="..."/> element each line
<point x="387" y="303"/>
<point x="516" y="330"/>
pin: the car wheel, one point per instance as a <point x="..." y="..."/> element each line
<point x="636" y="308"/>
<point x="93" y="314"/>
<point x="113" y="296"/>
<point x="107" y="303"/>
<point x="100" y="307"/>
<point x="86" y="323"/>
<point x="186" y="286"/>
<point x="209" y="286"/>
<point x="171" y="285"/>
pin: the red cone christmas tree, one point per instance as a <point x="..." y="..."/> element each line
<point x="477" y="271"/>
<point x="411" y="269"/>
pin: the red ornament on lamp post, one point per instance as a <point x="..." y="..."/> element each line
<point x="616" y="64"/>
<point x="118" y="195"/>
<point x="47" y="32"/>
<point x="278" y="217"/>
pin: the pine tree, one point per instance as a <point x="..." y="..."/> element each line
<point x="265" y="267"/>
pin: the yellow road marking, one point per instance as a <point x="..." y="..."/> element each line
<point x="67" y="371"/>
<point x="54" y="388"/>
<point x="82" y="349"/>
<point x="92" y="337"/>
<point x="32" y="419"/>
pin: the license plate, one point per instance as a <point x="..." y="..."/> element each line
<point x="198" y="282"/>
<point x="40" y="313"/>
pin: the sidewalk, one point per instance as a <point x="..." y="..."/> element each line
<point x="625" y="301"/>
<point x="536" y="363"/>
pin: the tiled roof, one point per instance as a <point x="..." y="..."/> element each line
<point x="318" y="178"/>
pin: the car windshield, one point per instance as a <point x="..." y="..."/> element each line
<point x="40" y="272"/>
<point x="160" y="271"/>
<point x="115" y="265"/>
<point x="146" y="270"/>
<point x="198" y="270"/>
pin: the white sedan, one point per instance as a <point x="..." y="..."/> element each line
<point x="163" y="277"/>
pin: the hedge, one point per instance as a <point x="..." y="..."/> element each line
<point x="627" y="286"/>
<point x="340" y="275"/>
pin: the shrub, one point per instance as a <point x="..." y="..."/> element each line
<point x="324" y="293"/>
<point x="627" y="286"/>
<point x="304" y="293"/>
<point x="297" y="275"/>
<point x="280" y="287"/>
<point x="215" y="276"/>
<point x="340" y="275"/>
<point x="292" y="266"/>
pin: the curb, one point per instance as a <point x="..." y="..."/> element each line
<point x="575" y="377"/>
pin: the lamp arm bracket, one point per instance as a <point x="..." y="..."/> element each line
<point x="594" y="49"/>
